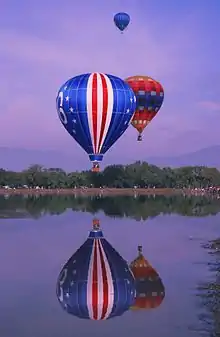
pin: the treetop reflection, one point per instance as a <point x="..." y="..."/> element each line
<point x="138" y="208"/>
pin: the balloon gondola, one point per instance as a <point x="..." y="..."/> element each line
<point x="149" y="96"/>
<point x="121" y="21"/>
<point x="150" y="291"/>
<point x="96" y="283"/>
<point x="95" y="109"/>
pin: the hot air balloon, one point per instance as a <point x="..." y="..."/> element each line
<point x="150" y="290"/>
<point x="121" y="20"/>
<point x="96" y="283"/>
<point x="149" y="95"/>
<point x="95" y="109"/>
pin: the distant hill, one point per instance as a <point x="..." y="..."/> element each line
<point x="19" y="159"/>
<point x="209" y="156"/>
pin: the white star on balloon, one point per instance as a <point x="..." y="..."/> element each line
<point x="71" y="109"/>
<point x="67" y="98"/>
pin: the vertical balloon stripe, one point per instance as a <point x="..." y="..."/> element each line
<point x="95" y="284"/>
<point x="104" y="283"/>
<point x="94" y="110"/>
<point x="104" y="108"/>
<point x="90" y="283"/>
<point x="100" y="284"/>
<point x="109" y="112"/>
<point x="109" y="281"/>
<point x="99" y="109"/>
<point x="89" y="108"/>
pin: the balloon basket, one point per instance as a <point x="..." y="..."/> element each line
<point x="96" y="224"/>
<point x="96" y="168"/>
<point x="139" y="139"/>
<point x="140" y="250"/>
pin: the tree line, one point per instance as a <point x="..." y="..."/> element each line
<point x="139" y="208"/>
<point x="139" y="174"/>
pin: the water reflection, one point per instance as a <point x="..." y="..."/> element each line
<point x="139" y="208"/>
<point x="33" y="251"/>
<point x="209" y="294"/>
<point x="150" y="290"/>
<point x="96" y="283"/>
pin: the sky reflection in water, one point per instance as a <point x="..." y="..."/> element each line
<point x="33" y="251"/>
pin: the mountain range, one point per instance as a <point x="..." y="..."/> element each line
<point x="19" y="159"/>
<point x="209" y="156"/>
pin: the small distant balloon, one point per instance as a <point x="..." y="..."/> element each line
<point x="121" y="20"/>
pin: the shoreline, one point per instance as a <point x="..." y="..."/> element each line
<point x="102" y="191"/>
<point x="91" y="191"/>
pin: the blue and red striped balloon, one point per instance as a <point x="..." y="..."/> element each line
<point x="96" y="109"/>
<point x="96" y="283"/>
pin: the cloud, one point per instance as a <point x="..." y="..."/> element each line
<point x="209" y="105"/>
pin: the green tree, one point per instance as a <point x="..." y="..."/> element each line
<point x="139" y="174"/>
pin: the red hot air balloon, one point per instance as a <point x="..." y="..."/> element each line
<point x="149" y="99"/>
<point x="150" y="290"/>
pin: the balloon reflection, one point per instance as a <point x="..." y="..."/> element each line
<point x="150" y="290"/>
<point x="96" y="283"/>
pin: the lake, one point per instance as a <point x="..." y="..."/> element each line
<point x="39" y="234"/>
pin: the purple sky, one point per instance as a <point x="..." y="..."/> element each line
<point x="44" y="43"/>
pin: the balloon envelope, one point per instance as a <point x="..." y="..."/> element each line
<point x="150" y="291"/>
<point x="121" y="20"/>
<point x="149" y="95"/>
<point x="96" y="283"/>
<point x="95" y="109"/>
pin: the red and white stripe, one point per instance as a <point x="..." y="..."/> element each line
<point x="100" y="289"/>
<point x="99" y="108"/>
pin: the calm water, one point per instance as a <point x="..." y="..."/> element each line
<point x="38" y="235"/>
